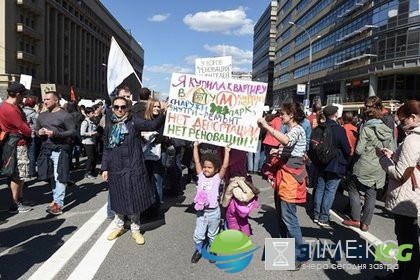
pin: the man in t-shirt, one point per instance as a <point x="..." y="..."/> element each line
<point x="13" y="122"/>
<point x="56" y="127"/>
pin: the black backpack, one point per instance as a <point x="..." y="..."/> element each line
<point x="321" y="146"/>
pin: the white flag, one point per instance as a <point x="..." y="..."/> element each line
<point x="118" y="66"/>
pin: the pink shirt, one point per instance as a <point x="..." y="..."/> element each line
<point x="211" y="186"/>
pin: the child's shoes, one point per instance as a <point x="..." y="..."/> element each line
<point x="196" y="257"/>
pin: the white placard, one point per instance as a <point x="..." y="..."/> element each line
<point x="340" y="109"/>
<point x="216" y="67"/>
<point x="26" y="80"/>
<point x="301" y="89"/>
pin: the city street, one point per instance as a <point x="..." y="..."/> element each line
<point x="36" y="245"/>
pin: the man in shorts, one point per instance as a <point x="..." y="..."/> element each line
<point x="13" y="122"/>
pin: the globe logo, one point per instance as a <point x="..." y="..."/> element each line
<point x="234" y="251"/>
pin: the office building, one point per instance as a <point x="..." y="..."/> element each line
<point x="348" y="50"/>
<point x="264" y="49"/>
<point x="63" y="42"/>
<point x="246" y="76"/>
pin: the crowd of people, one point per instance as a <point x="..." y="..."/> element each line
<point x="359" y="155"/>
<point x="324" y="151"/>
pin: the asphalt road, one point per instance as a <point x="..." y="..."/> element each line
<point x="74" y="245"/>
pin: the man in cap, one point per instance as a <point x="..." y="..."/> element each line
<point x="330" y="174"/>
<point x="13" y="123"/>
<point x="57" y="128"/>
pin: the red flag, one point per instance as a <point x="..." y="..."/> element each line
<point x="72" y="94"/>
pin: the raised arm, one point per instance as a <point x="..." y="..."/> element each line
<point x="283" y="138"/>
<point x="196" y="157"/>
<point x="225" y="164"/>
<point x="146" y="125"/>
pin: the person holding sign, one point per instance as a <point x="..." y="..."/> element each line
<point x="123" y="167"/>
<point x="210" y="175"/>
<point x="153" y="148"/>
<point x="290" y="172"/>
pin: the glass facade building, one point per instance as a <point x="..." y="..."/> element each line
<point x="358" y="48"/>
<point x="264" y="49"/>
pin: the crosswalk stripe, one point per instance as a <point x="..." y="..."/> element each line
<point x="56" y="262"/>
<point x="90" y="264"/>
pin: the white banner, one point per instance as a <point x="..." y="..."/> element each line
<point x="118" y="67"/>
<point x="217" y="111"/>
<point x="216" y="67"/>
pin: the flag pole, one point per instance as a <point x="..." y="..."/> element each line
<point x="134" y="71"/>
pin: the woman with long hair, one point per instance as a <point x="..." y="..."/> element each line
<point x="290" y="179"/>
<point x="368" y="174"/>
<point x="403" y="196"/>
<point x="123" y="167"/>
<point x="154" y="165"/>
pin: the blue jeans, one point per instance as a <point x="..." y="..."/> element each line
<point x="254" y="159"/>
<point x="324" y="195"/>
<point x="288" y="223"/>
<point x="58" y="189"/>
<point x="109" y="212"/>
<point x="207" y="221"/>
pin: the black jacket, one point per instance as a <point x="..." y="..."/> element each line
<point x="339" y="164"/>
<point x="46" y="165"/>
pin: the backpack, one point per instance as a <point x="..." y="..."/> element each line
<point x="321" y="146"/>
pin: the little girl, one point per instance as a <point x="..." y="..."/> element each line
<point x="210" y="175"/>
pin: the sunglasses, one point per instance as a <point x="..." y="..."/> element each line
<point x="122" y="107"/>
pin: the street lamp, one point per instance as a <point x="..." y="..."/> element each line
<point x="308" y="92"/>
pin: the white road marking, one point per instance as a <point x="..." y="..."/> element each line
<point x="57" y="261"/>
<point x="363" y="234"/>
<point x="90" y="264"/>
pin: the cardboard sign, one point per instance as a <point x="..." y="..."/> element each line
<point x="45" y="88"/>
<point x="216" y="111"/>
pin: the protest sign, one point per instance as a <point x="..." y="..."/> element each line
<point x="46" y="88"/>
<point x="217" y="67"/>
<point x="340" y="109"/>
<point x="26" y="80"/>
<point x="217" y="111"/>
